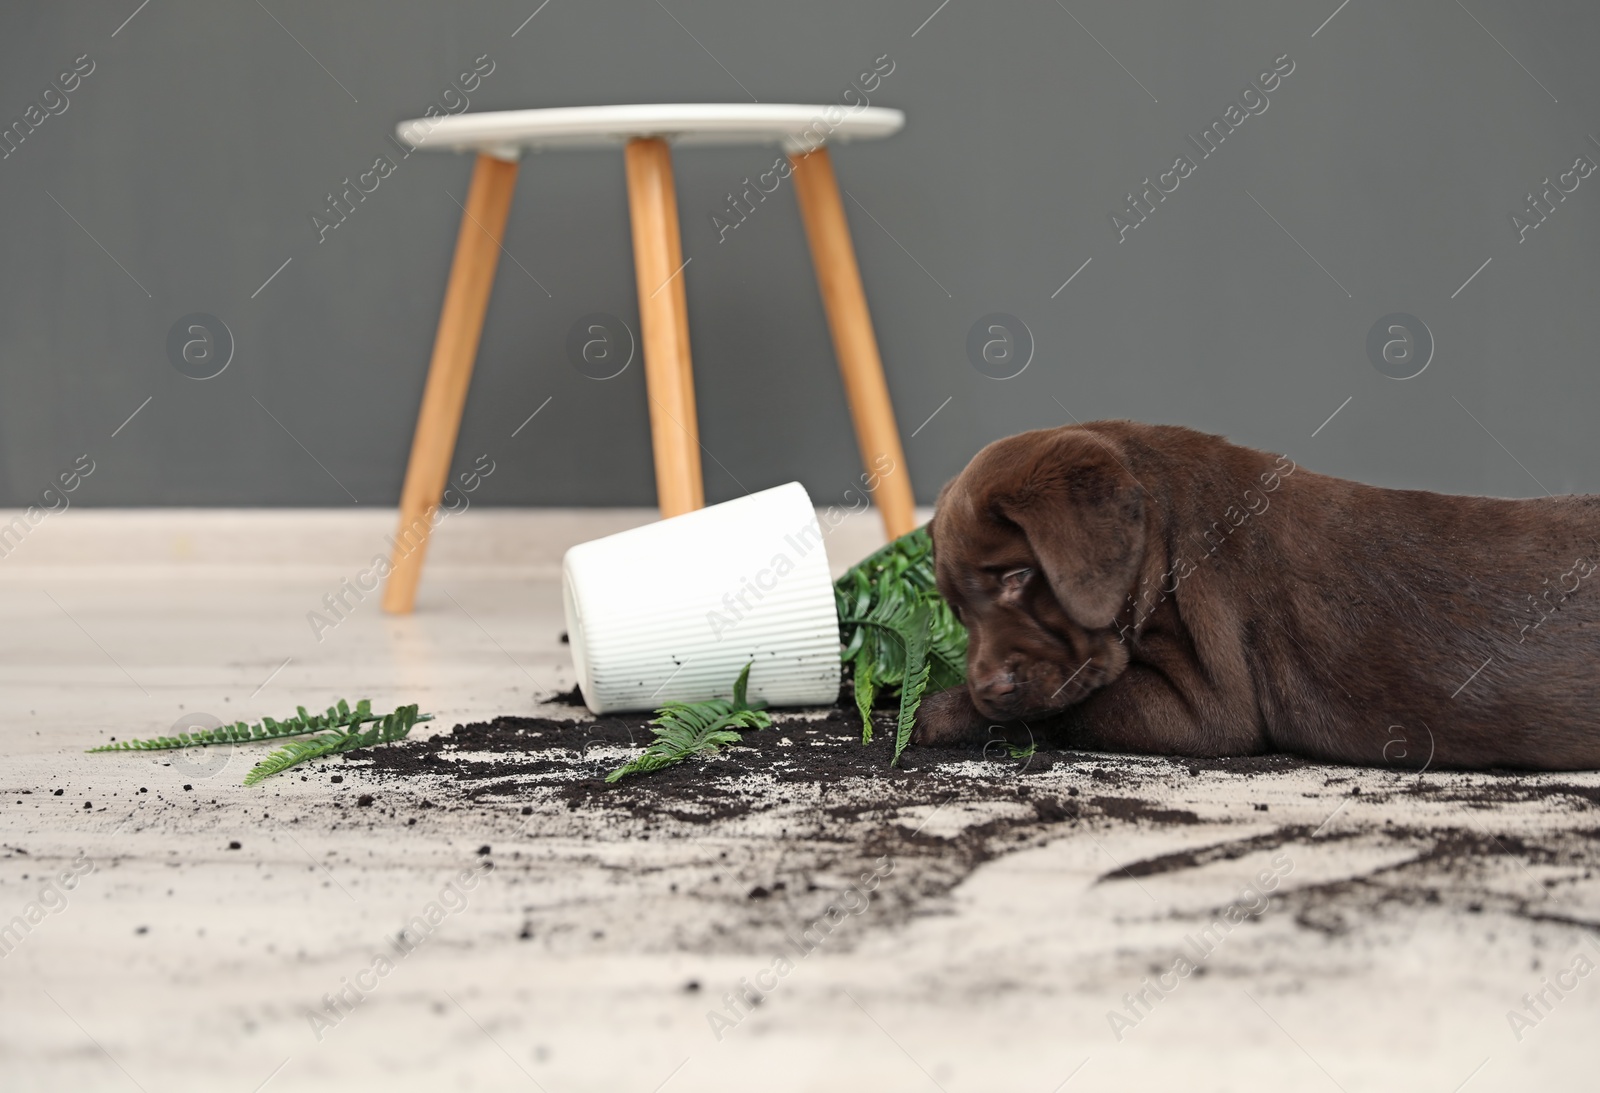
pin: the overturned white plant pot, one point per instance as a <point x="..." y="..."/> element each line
<point x="672" y="611"/>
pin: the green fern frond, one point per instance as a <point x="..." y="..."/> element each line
<point x="682" y="729"/>
<point x="296" y="751"/>
<point x="303" y="723"/>
<point x="390" y="727"/>
<point x="915" y="681"/>
<point x="866" y="691"/>
<point x="883" y="603"/>
<point x="741" y="688"/>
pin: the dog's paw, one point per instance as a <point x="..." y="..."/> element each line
<point x="948" y="719"/>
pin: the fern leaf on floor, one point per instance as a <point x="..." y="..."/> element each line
<point x="240" y="732"/>
<point x="682" y="729"/>
<point x="388" y="728"/>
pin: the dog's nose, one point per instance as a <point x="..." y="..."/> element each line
<point x="997" y="695"/>
<point x="997" y="686"/>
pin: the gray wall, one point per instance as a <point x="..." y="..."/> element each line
<point x="189" y="163"/>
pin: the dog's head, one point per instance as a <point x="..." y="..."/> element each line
<point x="1037" y="546"/>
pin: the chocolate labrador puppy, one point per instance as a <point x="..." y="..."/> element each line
<point x="1154" y="589"/>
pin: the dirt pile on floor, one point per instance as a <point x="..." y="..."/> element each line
<point x="775" y="829"/>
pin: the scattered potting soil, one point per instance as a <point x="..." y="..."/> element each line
<point x="801" y="801"/>
<point x="1205" y="855"/>
<point x="535" y="758"/>
<point x="516" y="758"/>
<point x="767" y="832"/>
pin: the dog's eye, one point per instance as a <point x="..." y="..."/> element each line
<point x="1015" y="578"/>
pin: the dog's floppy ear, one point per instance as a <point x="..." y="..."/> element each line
<point x="1083" y="515"/>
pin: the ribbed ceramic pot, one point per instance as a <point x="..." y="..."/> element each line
<point x="674" y="610"/>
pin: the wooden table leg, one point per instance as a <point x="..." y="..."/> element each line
<point x="853" y="340"/>
<point x="664" y="316"/>
<point x="455" y="348"/>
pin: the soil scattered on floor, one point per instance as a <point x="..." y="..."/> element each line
<point x="811" y="783"/>
<point x="513" y="758"/>
<point x="774" y="830"/>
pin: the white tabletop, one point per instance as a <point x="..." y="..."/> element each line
<point x="506" y="132"/>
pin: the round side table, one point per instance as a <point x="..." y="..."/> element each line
<point x="646" y="134"/>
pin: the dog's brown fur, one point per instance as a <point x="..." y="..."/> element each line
<point x="1155" y="589"/>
